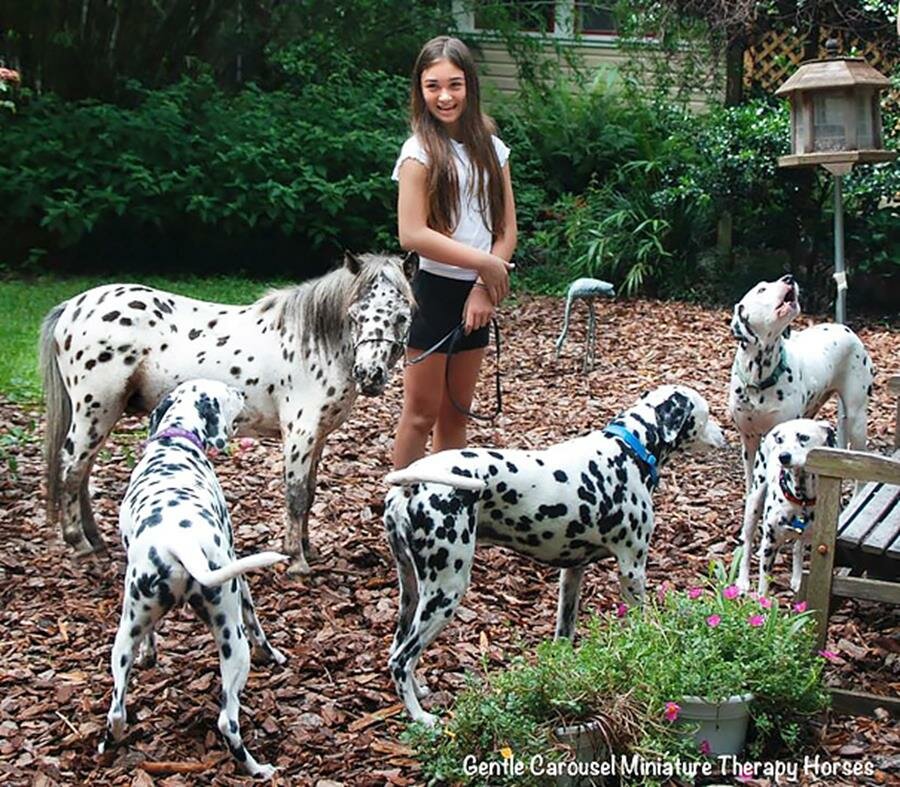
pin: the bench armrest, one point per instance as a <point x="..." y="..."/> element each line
<point x="858" y="465"/>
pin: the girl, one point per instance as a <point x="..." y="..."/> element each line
<point x="456" y="209"/>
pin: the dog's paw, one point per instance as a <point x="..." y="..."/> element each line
<point x="428" y="719"/>
<point x="268" y="654"/>
<point x="264" y="772"/>
<point x="743" y="584"/>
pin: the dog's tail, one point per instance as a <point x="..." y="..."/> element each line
<point x="419" y="472"/>
<point x="191" y="557"/>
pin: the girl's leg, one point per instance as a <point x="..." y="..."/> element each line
<point x="450" y="429"/>
<point x="423" y="386"/>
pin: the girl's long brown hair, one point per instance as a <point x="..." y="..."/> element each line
<point x="475" y="128"/>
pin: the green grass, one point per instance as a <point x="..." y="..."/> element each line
<point x="24" y="302"/>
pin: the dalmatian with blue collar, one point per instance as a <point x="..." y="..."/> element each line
<point x="566" y="506"/>
<point x="777" y="376"/>
<point x="177" y="534"/>
<point x="783" y="498"/>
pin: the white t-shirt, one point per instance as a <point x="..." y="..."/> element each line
<point x="471" y="228"/>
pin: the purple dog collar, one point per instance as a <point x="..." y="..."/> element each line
<point x="174" y="431"/>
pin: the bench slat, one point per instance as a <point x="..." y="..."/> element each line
<point x="868" y="519"/>
<point x="886" y="528"/>
<point x="857" y="504"/>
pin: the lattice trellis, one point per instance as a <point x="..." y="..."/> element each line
<point x="774" y="55"/>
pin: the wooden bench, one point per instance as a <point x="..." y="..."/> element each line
<point x="866" y="536"/>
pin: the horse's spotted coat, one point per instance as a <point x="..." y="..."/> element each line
<point x="566" y="506"/>
<point x="299" y="356"/>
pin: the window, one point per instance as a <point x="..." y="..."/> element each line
<point x="561" y="18"/>
<point x="592" y="18"/>
<point x="533" y="15"/>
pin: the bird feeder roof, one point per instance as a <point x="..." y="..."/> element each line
<point x="833" y="73"/>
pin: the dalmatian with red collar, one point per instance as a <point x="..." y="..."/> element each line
<point x="177" y="534"/>
<point x="566" y="506"/>
<point x="776" y="376"/>
<point x="783" y="497"/>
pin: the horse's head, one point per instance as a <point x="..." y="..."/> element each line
<point x="380" y="312"/>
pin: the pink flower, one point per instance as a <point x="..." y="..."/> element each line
<point x="765" y="603"/>
<point x="621" y="610"/>
<point x="800" y="606"/>
<point x="713" y="621"/>
<point x="704" y="747"/>
<point x="694" y="593"/>
<point x="756" y="620"/>
<point x="830" y="656"/>
<point x="672" y="710"/>
<point x="663" y="590"/>
<point x="10" y="75"/>
<point x="732" y="591"/>
<point x="246" y="443"/>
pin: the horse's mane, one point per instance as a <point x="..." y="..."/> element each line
<point x="318" y="308"/>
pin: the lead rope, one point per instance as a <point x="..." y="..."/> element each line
<point x="454" y="336"/>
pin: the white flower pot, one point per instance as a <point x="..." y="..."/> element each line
<point x="588" y="745"/>
<point x="723" y="724"/>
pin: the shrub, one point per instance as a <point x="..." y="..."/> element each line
<point x="313" y="166"/>
<point x="631" y="665"/>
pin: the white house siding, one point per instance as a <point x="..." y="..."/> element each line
<point x="600" y="57"/>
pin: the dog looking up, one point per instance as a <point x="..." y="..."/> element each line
<point x="177" y="535"/>
<point x="783" y="496"/>
<point x="566" y="506"/>
<point x="775" y="378"/>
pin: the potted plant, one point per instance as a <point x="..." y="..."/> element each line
<point x="628" y="689"/>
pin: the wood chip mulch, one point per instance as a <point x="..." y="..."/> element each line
<point x="330" y="716"/>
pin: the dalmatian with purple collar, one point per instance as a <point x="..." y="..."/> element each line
<point x="777" y="376"/>
<point x="783" y="498"/>
<point x="566" y="506"/>
<point x="177" y="534"/>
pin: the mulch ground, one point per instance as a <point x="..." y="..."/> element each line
<point x="330" y="716"/>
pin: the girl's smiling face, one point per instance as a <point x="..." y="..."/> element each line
<point x="444" y="90"/>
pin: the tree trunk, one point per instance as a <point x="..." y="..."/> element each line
<point x="734" y="69"/>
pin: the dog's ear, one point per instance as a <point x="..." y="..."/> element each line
<point x="786" y="333"/>
<point x="830" y="436"/>
<point x="158" y="412"/>
<point x="411" y="264"/>
<point x="214" y="427"/>
<point x="673" y="417"/>
<point x="352" y="263"/>
<point x="739" y="327"/>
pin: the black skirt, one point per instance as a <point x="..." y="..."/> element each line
<point x="440" y="302"/>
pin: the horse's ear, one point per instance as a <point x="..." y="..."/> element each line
<point x="159" y="411"/>
<point x="352" y="263"/>
<point x="411" y="264"/>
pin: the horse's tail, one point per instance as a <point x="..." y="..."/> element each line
<point x="59" y="410"/>
<point x="190" y="555"/>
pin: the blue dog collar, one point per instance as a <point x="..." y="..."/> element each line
<point x="616" y="430"/>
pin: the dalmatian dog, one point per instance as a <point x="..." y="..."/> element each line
<point x="177" y="534"/>
<point x="567" y="506"/>
<point x="783" y="497"/>
<point x="776" y="376"/>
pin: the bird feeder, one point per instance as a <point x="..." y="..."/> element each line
<point x="835" y="114"/>
<point x="835" y="122"/>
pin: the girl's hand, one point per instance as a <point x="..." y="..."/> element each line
<point x="478" y="309"/>
<point x="494" y="272"/>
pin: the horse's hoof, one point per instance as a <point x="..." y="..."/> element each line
<point x="299" y="568"/>
<point x="85" y="549"/>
